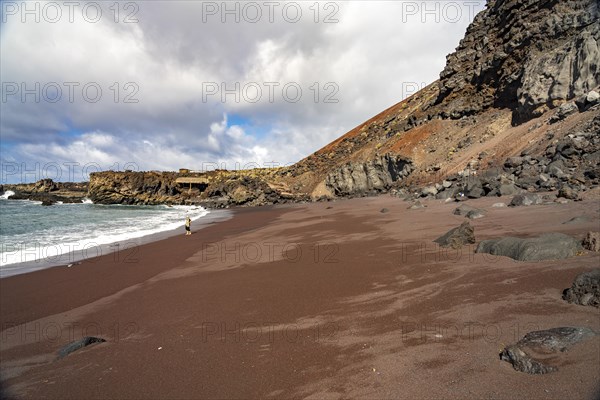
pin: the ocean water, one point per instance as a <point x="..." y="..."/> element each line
<point x="34" y="237"/>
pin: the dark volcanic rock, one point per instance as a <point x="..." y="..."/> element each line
<point x="468" y="211"/>
<point x="457" y="237"/>
<point x="475" y="214"/>
<point x="568" y="193"/>
<point x="556" y="339"/>
<point x="416" y="205"/>
<point x="374" y="175"/>
<point x="508" y="189"/>
<point x="242" y="191"/>
<point x="522" y="362"/>
<point x="556" y="169"/>
<point x="463" y="209"/>
<point x="429" y="191"/>
<point x="513" y="162"/>
<point x="526" y="199"/>
<point x="523" y="50"/>
<point x="591" y="241"/>
<point x="474" y="188"/>
<point x="550" y="246"/>
<point x="542" y="343"/>
<point x="564" y="111"/>
<point x="45" y="185"/>
<point x="47" y="191"/>
<point x="78" y="344"/>
<point x="585" y="289"/>
<point x="460" y="196"/>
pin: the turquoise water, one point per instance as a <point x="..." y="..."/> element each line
<point x="33" y="236"/>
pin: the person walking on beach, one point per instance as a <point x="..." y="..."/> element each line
<point x="188" y="225"/>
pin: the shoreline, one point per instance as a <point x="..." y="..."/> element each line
<point x="126" y="246"/>
<point x="109" y="262"/>
<point x="322" y="300"/>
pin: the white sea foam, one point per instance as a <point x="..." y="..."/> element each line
<point x="64" y="245"/>
<point x="7" y="194"/>
<point x="86" y="200"/>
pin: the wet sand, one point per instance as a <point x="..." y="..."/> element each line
<point x="325" y="300"/>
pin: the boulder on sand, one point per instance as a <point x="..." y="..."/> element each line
<point x="469" y="212"/>
<point x="549" y="246"/>
<point x="585" y="289"/>
<point x="475" y="214"/>
<point x="78" y="344"/>
<point x="463" y="209"/>
<point x="474" y="188"/>
<point x="457" y="237"/>
<point x="508" y="189"/>
<point x="416" y="205"/>
<point x="429" y="191"/>
<point x="569" y="193"/>
<point x="526" y="199"/>
<point x="544" y="344"/>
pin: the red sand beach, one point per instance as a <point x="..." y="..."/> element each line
<point x="325" y="300"/>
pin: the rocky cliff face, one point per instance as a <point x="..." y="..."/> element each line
<point x="221" y="188"/>
<point x="241" y="189"/>
<point x="525" y="55"/>
<point x="374" y="175"/>
<point x="111" y="187"/>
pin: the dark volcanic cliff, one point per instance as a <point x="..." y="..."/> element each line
<point x="525" y="55"/>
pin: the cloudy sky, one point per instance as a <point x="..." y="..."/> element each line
<point x="161" y="85"/>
